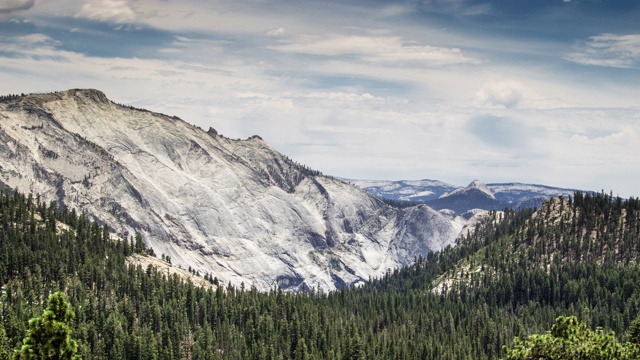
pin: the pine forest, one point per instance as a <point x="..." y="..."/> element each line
<point x="511" y="277"/>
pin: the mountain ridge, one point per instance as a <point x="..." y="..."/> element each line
<point x="458" y="199"/>
<point x="235" y="209"/>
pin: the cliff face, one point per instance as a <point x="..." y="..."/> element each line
<point x="238" y="210"/>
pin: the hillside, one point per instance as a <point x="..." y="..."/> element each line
<point x="235" y="209"/>
<point x="521" y="270"/>
<point x="512" y="277"/>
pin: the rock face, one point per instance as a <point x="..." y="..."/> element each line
<point x="236" y="209"/>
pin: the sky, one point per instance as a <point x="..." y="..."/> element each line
<point x="533" y="91"/>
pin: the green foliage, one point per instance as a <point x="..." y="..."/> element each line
<point x="4" y="354"/>
<point x="354" y="349"/>
<point x="511" y="278"/>
<point x="634" y="332"/>
<point x="49" y="336"/>
<point x="571" y="340"/>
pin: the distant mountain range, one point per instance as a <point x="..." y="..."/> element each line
<point x="477" y="195"/>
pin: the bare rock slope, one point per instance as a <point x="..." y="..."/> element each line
<point x="236" y="209"/>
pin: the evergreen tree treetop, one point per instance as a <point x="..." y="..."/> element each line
<point x="49" y="336"/>
<point x="571" y="340"/>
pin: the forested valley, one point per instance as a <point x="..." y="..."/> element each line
<point x="511" y="277"/>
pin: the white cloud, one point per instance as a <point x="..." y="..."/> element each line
<point x="8" y="6"/>
<point x="115" y="11"/>
<point x="169" y="51"/>
<point x="505" y="94"/>
<point x="225" y="16"/>
<point x="608" y="50"/>
<point x="33" y="39"/>
<point x="275" y="32"/>
<point x="383" y="49"/>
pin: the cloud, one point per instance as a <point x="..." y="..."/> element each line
<point x="36" y="39"/>
<point x="376" y="49"/>
<point x="32" y="46"/>
<point x="504" y="94"/>
<point x="275" y="32"/>
<point x="32" y="49"/>
<point x="114" y="11"/>
<point x="459" y="7"/>
<point x="498" y="131"/>
<point x="608" y="50"/>
<point x="9" y="6"/>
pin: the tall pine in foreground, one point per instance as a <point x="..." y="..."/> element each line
<point x="49" y="336"/>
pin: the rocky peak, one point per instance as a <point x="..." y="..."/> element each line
<point x="92" y="94"/>
<point x="476" y="186"/>
<point x="479" y="185"/>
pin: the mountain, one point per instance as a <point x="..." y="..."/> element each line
<point x="236" y="209"/>
<point x="405" y="190"/>
<point x="476" y="195"/>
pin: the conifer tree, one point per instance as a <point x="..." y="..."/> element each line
<point x="571" y="340"/>
<point x="634" y="332"/>
<point x="3" y="350"/>
<point x="49" y="336"/>
<point x="355" y="350"/>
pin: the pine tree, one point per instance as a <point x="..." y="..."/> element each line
<point x="49" y="336"/>
<point x="3" y="342"/>
<point x="355" y="348"/>
<point x="571" y="340"/>
<point x="634" y="332"/>
<point x="301" y="352"/>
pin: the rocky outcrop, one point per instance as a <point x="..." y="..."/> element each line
<point x="238" y="210"/>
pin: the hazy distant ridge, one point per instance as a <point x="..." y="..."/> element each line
<point x="476" y="195"/>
